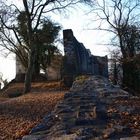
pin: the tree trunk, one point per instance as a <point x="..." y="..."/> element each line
<point x="28" y="76"/>
<point x="36" y="70"/>
<point x="29" y="73"/>
<point x="115" y="74"/>
<point x="125" y="78"/>
<point x="123" y="51"/>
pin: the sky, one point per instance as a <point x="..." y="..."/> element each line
<point x="78" y="22"/>
<point x="7" y="67"/>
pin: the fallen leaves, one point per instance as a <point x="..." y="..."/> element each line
<point x="19" y="115"/>
<point x="129" y="117"/>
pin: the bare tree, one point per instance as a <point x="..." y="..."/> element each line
<point x="131" y="40"/>
<point x="121" y="19"/>
<point x="115" y="67"/>
<point x="117" y="15"/>
<point x="35" y="12"/>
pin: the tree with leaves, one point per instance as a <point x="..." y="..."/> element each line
<point x="45" y="38"/>
<point x="35" y="12"/>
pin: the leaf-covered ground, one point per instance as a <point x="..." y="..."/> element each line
<point x="18" y="115"/>
<point x="131" y="116"/>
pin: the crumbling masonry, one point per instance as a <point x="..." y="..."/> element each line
<point x="79" y="61"/>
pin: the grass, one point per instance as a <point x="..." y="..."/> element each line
<point x="18" y="115"/>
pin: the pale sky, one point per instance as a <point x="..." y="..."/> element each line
<point x="76" y="21"/>
<point x="7" y="67"/>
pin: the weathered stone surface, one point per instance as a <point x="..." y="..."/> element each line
<point x="33" y="137"/>
<point x="63" y="137"/>
<point x="79" y="60"/>
<point x="130" y="138"/>
<point x="87" y="115"/>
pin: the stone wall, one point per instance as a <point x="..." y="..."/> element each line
<point x="19" y="67"/>
<point x="20" y="71"/>
<point x="53" y="71"/>
<point x="79" y="61"/>
<point x="93" y="109"/>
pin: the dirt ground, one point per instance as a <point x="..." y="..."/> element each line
<point x="18" y="115"/>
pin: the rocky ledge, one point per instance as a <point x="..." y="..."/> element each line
<point x="93" y="109"/>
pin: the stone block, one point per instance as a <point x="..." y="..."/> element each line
<point x="130" y="138"/>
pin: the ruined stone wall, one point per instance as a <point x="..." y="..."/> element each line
<point x="93" y="109"/>
<point x="53" y="71"/>
<point x="19" y="67"/>
<point x="20" y="71"/>
<point x="79" y="61"/>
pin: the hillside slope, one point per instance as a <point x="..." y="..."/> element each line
<point x="18" y="115"/>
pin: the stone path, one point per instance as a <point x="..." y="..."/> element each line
<point x="86" y="113"/>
